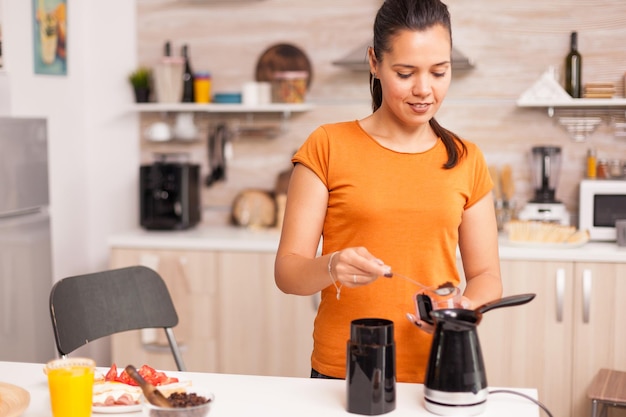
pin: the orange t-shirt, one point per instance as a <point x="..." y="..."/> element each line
<point x="405" y="208"/>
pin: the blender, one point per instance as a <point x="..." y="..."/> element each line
<point x="546" y="164"/>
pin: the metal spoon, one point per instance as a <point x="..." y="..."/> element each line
<point x="443" y="290"/>
<point x="153" y="395"/>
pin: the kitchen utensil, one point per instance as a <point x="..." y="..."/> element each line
<point x="546" y="163"/>
<point x="159" y="132"/>
<point x="169" y="193"/>
<point x="184" y="127"/>
<point x="546" y="166"/>
<point x="217" y="154"/>
<point x="200" y="409"/>
<point x="443" y="290"/>
<point x="152" y="394"/>
<point x="456" y="381"/>
<point x="282" y="57"/>
<point x="254" y="208"/>
<point x="168" y="75"/>
<point x="508" y="187"/>
<point x="371" y="367"/>
<point x="495" y="177"/>
<point x="428" y="300"/>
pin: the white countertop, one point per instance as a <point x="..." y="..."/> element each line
<point x="230" y="238"/>
<point x="245" y="395"/>
<point x="226" y="238"/>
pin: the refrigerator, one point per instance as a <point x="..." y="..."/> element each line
<point x="26" y="278"/>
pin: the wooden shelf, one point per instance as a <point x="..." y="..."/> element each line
<point x="575" y="103"/>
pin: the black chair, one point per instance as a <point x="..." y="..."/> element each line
<point x="87" y="307"/>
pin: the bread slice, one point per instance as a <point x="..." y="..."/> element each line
<point x="544" y="232"/>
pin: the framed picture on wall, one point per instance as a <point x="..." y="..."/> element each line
<point x="50" y="36"/>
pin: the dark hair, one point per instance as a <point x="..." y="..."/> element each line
<point x="415" y="15"/>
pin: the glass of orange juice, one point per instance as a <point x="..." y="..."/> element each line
<point x="70" y="381"/>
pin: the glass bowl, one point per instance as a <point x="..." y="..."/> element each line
<point x="201" y="410"/>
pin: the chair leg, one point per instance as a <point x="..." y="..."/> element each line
<point x="178" y="357"/>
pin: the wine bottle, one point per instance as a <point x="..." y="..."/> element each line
<point x="188" y="79"/>
<point x="573" y="66"/>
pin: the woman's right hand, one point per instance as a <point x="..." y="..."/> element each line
<point x="356" y="266"/>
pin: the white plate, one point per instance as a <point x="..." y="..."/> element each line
<point x="116" y="409"/>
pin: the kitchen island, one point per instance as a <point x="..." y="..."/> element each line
<point x="246" y="395"/>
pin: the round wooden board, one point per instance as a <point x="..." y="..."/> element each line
<point x="13" y="400"/>
<point x="282" y="57"/>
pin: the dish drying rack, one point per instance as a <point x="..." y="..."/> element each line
<point x="579" y="116"/>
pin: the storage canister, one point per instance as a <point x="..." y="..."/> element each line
<point x="603" y="169"/>
<point x="591" y="163"/>
<point x="289" y="86"/>
<point x="615" y="168"/>
<point x="202" y="87"/>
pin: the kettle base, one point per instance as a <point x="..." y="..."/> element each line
<point x="455" y="409"/>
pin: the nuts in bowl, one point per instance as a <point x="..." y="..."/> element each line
<point x="192" y="402"/>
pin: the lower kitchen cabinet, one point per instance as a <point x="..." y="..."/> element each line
<point x="558" y="341"/>
<point x="191" y="277"/>
<point x="262" y="331"/>
<point x="232" y="318"/>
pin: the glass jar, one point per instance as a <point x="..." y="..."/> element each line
<point x="602" y="170"/>
<point x="615" y="168"/>
<point x="289" y="86"/>
<point x="202" y="87"/>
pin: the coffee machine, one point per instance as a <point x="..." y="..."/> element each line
<point x="456" y="379"/>
<point x="546" y="165"/>
<point x="169" y="193"/>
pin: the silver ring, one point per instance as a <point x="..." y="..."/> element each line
<point x="354" y="278"/>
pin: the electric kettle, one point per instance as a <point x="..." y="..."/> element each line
<point x="456" y="381"/>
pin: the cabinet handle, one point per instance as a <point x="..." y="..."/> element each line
<point x="587" y="277"/>
<point x="560" y="293"/>
<point x="161" y="348"/>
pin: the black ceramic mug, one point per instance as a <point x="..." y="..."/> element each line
<point x="371" y="367"/>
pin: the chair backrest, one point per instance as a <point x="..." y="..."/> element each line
<point x="87" y="307"/>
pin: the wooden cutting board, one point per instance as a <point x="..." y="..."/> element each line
<point x="282" y="57"/>
<point x="13" y="400"/>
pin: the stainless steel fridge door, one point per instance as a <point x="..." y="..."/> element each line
<point x="23" y="164"/>
<point x="25" y="281"/>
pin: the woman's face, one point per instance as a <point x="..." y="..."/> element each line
<point x="415" y="74"/>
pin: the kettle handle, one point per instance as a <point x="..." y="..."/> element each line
<point x="512" y="300"/>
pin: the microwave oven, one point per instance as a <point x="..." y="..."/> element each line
<point x="601" y="203"/>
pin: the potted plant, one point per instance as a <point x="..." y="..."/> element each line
<point x="140" y="80"/>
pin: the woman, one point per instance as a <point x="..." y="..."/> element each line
<point x="393" y="192"/>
